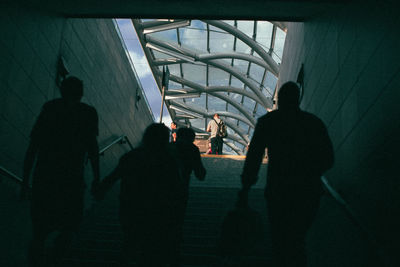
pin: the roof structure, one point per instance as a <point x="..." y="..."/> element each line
<point x="225" y="67"/>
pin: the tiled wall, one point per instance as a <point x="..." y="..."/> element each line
<point x="30" y="45"/>
<point x="351" y="63"/>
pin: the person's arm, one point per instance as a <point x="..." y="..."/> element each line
<point x="93" y="149"/>
<point x="209" y="127"/>
<point x="254" y="156"/>
<point x="30" y="157"/>
<point x="31" y="152"/>
<point x="100" y="189"/>
<point x="198" y="168"/>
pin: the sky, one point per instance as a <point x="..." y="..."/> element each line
<point x="143" y="70"/>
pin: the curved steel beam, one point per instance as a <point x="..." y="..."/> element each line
<point x="236" y="55"/>
<point x="267" y="103"/>
<point x="216" y="63"/>
<point x="247" y="40"/>
<point x="211" y="56"/>
<point x="236" y="105"/>
<point x="234" y="148"/>
<point x="211" y="89"/>
<point x="229" y="123"/>
<point x="211" y="114"/>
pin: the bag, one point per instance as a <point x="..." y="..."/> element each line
<point x="222" y="129"/>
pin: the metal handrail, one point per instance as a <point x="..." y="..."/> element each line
<point x="10" y="174"/>
<point x="355" y="219"/>
<point x="120" y="140"/>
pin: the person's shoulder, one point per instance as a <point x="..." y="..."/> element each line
<point x="52" y="103"/>
<point x="87" y="107"/>
<point x="268" y="116"/>
<point x="312" y="118"/>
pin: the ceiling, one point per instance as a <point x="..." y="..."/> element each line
<point x="227" y="67"/>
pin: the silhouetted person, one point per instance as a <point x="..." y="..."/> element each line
<point x="189" y="158"/>
<point x="65" y="131"/>
<point x="299" y="152"/>
<point x="150" y="198"/>
<point x="173" y="132"/>
<point x="216" y="140"/>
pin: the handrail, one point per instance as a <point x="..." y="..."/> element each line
<point x="10" y="174"/>
<point x="354" y="218"/>
<point x="120" y="140"/>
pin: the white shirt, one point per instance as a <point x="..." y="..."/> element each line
<point x="213" y="126"/>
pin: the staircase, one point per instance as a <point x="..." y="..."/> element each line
<point x="100" y="240"/>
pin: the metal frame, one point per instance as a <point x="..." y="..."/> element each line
<point x="252" y="89"/>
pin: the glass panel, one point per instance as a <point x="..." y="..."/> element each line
<point x="257" y="72"/>
<point x="173" y="85"/>
<point x="264" y="33"/>
<point x="270" y="82"/>
<point x="198" y="123"/>
<point x="242" y="65"/>
<point x="160" y="55"/>
<point x="249" y="104"/>
<point x="167" y="35"/>
<point x="220" y="41"/>
<point x="230" y="22"/>
<point x="215" y="104"/>
<point x="242" y="47"/>
<point x="279" y="43"/>
<point x="217" y="77"/>
<point x="236" y="97"/>
<point x="198" y="101"/>
<point x="246" y="26"/>
<point x="276" y="58"/>
<point x="236" y="83"/>
<point x="194" y="38"/>
<point x="126" y="28"/>
<point x="260" y="111"/>
<point x="233" y="109"/>
<point x="195" y="73"/>
<point x="243" y="126"/>
<point x="174" y="69"/>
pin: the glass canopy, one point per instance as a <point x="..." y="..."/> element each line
<point x="224" y="67"/>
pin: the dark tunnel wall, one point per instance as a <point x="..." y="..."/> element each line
<point x="352" y="81"/>
<point x="30" y="46"/>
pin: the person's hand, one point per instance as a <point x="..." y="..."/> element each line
<point x="243" y="198"/>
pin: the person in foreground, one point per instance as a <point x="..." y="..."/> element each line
<point x="150" y="199"/>
<point x="299" y="152"/>
<point x="188" y="156"/>
<point x="65" y="131"/>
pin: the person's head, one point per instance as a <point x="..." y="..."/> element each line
<point x="216" y="116"/>
<point x="185" y="134"/>
<point x="156" y="135"/>
<point x="71" y="89"/>
<point x="289" y="96"/>
<point x="173" y="125"/>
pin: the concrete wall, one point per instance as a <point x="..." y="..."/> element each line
<point x="351" y="62"/>
<point x="30" y="46"/>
